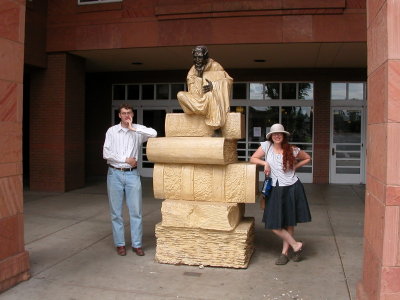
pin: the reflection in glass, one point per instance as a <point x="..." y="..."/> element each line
<point x="348" y="170"/>
<point x="272" y="91"/>
<point x="147" y="92"/>
<point x="256" y="91"/>
<point x="288" y="90"/>
<point x="155" y="119"/>
<point x="348" y="155"/>
<point x="306" y="91"/>
<point x="298" y="121"/>
<point x="162" y="91"/>
<point x="356" y="91"/>
<point x="338" y="91"/>
<point x="348" y="147"/>
<point x="119" y="92"/>
<point x="175" y="88"/>
<point x="346" y="126"/>
<point x="260" y="120"/>
<point x="133" y="92"/>
<point x="305" y="169"/>
<point x="349" y="163"/>
<point x="239" y="91"/>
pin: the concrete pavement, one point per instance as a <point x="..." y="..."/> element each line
<point x="68" y="236"/>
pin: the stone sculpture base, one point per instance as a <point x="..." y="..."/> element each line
<point x="234" y="183"/>
<point x="192" y="246"/>
<point x="180" y="124"/>
<point x="203" y="215"/>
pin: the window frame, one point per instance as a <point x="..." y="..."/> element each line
<point x="97" y="2"/>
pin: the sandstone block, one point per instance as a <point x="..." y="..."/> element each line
<point x="192" y="246"/>
<point x="233" y="183"/>
<point x="190" y="150"/>
<point x="181" y="124"/>
<point x="204" y="215"/>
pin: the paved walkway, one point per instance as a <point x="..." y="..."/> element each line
<point x="68" y="236"/>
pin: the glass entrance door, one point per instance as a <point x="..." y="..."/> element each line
<point x="347" y="146"/>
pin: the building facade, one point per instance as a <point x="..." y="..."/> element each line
<point x="301" y="63"/>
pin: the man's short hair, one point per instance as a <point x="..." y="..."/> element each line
<point x="126" y="106"/>
<point x="201" y="48"/>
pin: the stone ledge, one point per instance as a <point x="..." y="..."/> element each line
<point x="181" y="124"/>
<point x="189" y="246"/>
<point x="202" y="215"/>
<point x="191" y="150"/>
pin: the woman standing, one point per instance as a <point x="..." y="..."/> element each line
<point x="287" y="203"/>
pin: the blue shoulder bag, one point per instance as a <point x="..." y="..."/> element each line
<point x="267" y="185"/>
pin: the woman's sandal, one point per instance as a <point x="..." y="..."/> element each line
<point x="282" y="259"/>
<point x="297" y="255"/>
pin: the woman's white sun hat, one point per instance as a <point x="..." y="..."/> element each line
<point x="277" y="128"/>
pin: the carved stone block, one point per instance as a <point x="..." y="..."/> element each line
<point x="192" y="150"/>
<point x="181" y="124"/>
<point x="234" y="183"/>
<point x="192" y="246"/>
<point x="204" y="215"/>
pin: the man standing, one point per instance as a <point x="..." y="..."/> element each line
<point x="209" y="89"/>
<point x="121" y="150"/>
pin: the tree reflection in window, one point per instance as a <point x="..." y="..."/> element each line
<point x="298" y="121"/>
<point x="306" y="91"/>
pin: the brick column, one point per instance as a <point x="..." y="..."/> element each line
<point x="321" y="131"/>
<point x="381" y="269"/>
<point x="57" y="125"/>
<point x="14" y="260"/>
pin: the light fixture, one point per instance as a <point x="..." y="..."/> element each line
<point x="259" y="60"/>
<point x="136" y="63"/>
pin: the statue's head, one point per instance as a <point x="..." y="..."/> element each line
<point x="200" y="56"/>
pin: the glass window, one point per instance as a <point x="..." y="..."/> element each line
<point x="306" y="91"/>
<point x="298" y="121"/>
<point x="81" y="2"/>
<point x="260" y="121"/>
<point x="272" y="91"/>
<point x="175" y="88"/>
<point x="162" y="91"/>
<point x="356" y="91"/>
<point x="288" y="90"/>
<point x="256" y="91"/>
<point x="346" y="126"/>
<point x="239" y="91"/>
<point x="133" y="92"/>
<point x="147" y="92"/>
<point x="119" y="92"/>
<point x="338" y="91"/>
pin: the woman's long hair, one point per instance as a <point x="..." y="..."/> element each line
<point x="288" y="158"/>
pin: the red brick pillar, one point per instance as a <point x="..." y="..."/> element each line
<point x="381" y="267"/>
<point x="321" y="132"/>
<point x="14" y="260"/>
<point x="57" y="126"/>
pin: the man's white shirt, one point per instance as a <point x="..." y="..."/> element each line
<point x="121" y="143"/>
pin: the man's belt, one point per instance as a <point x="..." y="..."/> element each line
<point x="122" y="169"/>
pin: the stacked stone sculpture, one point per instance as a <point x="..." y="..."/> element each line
<point x="205" y="190"/>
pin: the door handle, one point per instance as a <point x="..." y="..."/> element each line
<point x="333" y="151"/>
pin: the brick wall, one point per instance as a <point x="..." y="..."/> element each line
<point x="56" y="125"/>
<point x="14" y="260"/>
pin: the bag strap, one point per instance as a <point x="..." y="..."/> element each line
<point x="266" y="153"/>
